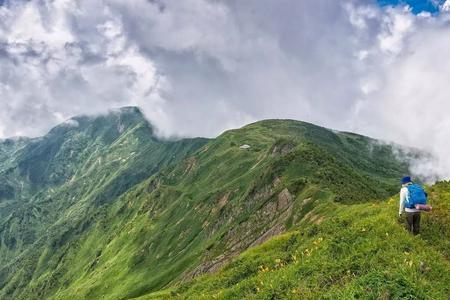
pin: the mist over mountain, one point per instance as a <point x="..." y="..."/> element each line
<point x="201" y="67"/>
<point x="102" y="208"/>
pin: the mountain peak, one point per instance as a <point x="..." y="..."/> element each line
<point x="115" y="120"/>
<point x="129" y="110"/>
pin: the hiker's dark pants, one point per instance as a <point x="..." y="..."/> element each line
<point x="413" y="222"/>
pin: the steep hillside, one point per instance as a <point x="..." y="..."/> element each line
<point x="357" y="251"/>
<point x="113" y="240"/>
<point x="62" y="182"/>
<point x="9" y="193"/>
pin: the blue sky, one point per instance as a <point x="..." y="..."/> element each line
<point x="416" y="5"/>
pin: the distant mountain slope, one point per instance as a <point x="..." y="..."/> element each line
<point x="9" y="189"/>
<point x="136" y="214"/>
<point x="66" y="178"/>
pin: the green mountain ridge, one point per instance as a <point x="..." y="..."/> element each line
<point x="100" y="208"/>
<point x="351" y="252"/>
<point x="74" y="167"/>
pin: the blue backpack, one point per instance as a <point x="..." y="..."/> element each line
<point x="417" y="195"/>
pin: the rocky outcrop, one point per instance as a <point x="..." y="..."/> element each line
<point x="190" y="165"/>
<point x="282" y="147"/>
<point x="260" y="227"/>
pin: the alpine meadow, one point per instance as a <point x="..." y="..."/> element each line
<point x="100" y="208"/>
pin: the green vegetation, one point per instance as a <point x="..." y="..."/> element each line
<point x="358" y="252"/>
<point x="63" y="183"/>
<point x="105" y="210"/>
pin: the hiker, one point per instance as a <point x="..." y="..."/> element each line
<point x="412" y="200"/>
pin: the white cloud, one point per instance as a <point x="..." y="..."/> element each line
<point x="71" y="123"/>
<point x="411" y="104"/>
<point x="446" y="6"/>
<point x="58" y="61"/>
<point x="396" y="26"/>
<point x="198" y="67"/>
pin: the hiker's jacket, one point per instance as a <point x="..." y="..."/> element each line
<point x="404" y="194"/>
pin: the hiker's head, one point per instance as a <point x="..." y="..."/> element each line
<point x="406" y="180"/>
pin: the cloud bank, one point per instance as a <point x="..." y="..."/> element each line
<point x="198" y="67"/>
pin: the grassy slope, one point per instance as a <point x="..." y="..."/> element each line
<point x="8" y="195"/>
<point x="113" y="239"/>
<point x="70" y="177"/>
<point x="196" y="216"/>
<point x="359" y="251"/>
